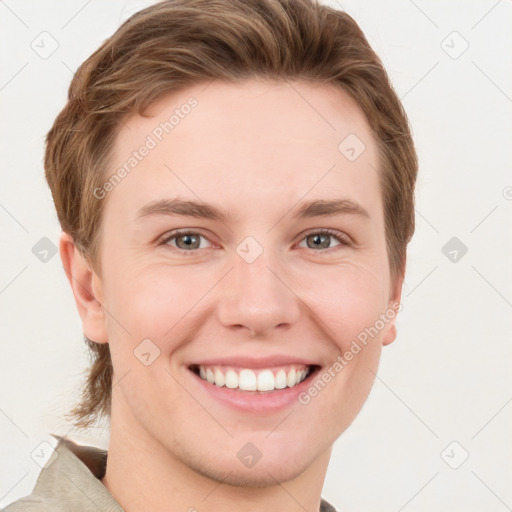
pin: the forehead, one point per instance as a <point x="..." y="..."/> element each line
<point x="253" y="141"/>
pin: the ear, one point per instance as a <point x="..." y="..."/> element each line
<point x="394" y="306"/>
<point x="86" y="287"/>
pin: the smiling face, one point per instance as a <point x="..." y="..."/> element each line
<point x="274" y="273"/>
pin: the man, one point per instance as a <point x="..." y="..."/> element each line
<point x="234" y="181"/>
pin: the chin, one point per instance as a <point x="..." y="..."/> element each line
<point x="274" y="467"/>
<point x="259" y="476"/>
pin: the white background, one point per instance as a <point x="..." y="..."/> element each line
<point x="448" y="375"/>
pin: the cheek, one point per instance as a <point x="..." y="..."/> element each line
<point x="151" y="302"/>
<point x="347" y="300"/>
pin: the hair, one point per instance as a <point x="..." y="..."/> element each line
<point x="178" y="43"/>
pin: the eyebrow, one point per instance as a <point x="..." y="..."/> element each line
<point x="329" y="207"/>
<point x="182" y="207"/>
<point x="305" y="209"/>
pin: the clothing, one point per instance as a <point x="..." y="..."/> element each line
<point x="72" y="483"/>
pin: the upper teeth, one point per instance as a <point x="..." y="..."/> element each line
<point x="250" y="380"/>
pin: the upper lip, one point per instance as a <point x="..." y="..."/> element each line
<point x="256" y="363"/>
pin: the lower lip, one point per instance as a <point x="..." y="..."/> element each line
<point x="255" y="401"/>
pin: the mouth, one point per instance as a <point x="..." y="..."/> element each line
<point x="255" y="381"/>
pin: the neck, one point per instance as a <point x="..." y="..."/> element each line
<point x="142" y="474"/>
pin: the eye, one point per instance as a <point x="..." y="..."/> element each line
<point x="322" y="239"/>
<point x="185" y="241"/>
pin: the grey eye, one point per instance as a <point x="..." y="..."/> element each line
<point x="186" y="241"/>
<point x="319" y="240"/>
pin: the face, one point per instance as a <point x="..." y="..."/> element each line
<point x="231" y="321"/>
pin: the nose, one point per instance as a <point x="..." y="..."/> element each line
<point x="257" y="298"/>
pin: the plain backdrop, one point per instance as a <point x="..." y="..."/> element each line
<point x="435" y="431"/>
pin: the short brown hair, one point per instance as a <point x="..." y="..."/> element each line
<point x="177" y="43"/>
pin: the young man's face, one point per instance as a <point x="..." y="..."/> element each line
<point x="263" y="290"/>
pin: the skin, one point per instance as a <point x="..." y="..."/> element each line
<point x="255" y="149"/>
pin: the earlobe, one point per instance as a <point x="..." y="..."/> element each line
<point x="390" y="335"/>
<point x="391" y="313"/>
<point x="86" y="287"/>
<point x="394" y="307"/>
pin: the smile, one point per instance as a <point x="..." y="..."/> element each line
<point x="245" y="379"/>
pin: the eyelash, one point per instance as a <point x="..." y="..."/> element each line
<point x="343" y="239"/>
